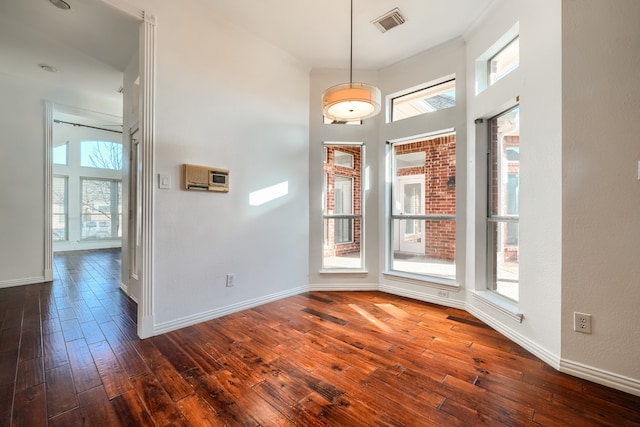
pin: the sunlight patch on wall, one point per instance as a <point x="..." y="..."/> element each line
<point x="269" y="194"/>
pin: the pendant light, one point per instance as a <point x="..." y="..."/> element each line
<point x="351" y="101"/>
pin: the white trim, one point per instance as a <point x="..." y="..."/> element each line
<point x="609" y="379"/>
<point x="421" y="296"/>
<point x="416" y="279"/>
<point x="48" y="191"/>
<point x="540" y="352"/>
<point x="146" y="328"/>
<point x="423" y="136"/>
<point x="172" y="325"/>
<point x="343" y="272"/>
<point x="504" y="306"/>
<point x="344" y="286"/>
<point x="24" y="281"/>
<point x="124" y="288"/>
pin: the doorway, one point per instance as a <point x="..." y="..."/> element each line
<point x="410" y="231"/>
<point x="138" y="108"/>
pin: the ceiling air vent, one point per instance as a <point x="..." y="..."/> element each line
<point x="389" y="20"/>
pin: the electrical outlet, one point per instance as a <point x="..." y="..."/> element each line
<point x="443" y="294"/>
<point x="231" y="280"/>
<point x="582" y="322"/>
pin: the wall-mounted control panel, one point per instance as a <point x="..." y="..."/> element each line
<point x="205" y="178"/>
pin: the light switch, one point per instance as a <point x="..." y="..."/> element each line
<point x="164" y="181"/>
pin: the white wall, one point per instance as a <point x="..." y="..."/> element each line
<point x="22" y="172"/>
<point x="226" y="99"/>
<point x="537" y="83"/>
<point x="601" y="191"/>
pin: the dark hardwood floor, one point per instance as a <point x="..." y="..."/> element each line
<point x="69" y="356"/>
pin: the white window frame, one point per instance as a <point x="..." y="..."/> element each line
<point x="391" y="217"/>
<point x="352" y="216"/>
<point x="494" y="220"/>
<point x="433" y="85"/>
<point x="482" y="62"/>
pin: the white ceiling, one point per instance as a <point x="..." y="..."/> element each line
<point x="317" y="32"/>
<point x="91" y="44"/>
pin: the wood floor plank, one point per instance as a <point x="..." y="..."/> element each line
<point x="30" y="407"/>
<point x="72" y="418"/>
<point x="61" y="393"/>
<point x="55" y="350"/>
<point x="198" y="412"/>
<point x="83" y="367"/>
<point x="131" y="411"/>
<point x="96" y="406"/>
<point x="114" y="378"/>
<point x="159" y="405"/>
<point x="92" y="332"/>
<point x="167" y="375"/>
<point x="30" y="373"/>
<point x="212" y="392"/>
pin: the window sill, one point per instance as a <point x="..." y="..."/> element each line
<point x="438" y="282"/>
<point x="503" y="305"/>
<point x="343" y="272"/>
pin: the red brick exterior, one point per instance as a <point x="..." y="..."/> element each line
<point x="440" y="194"/>
<point x="331" y="171"/>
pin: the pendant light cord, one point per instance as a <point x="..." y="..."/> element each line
<point x="351" y="50"/>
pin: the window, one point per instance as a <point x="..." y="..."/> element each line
<point x="343" y="159"/>
<point x="101" y="208"/>
<point x="101" y="155"/>
<point x="60" y="218"/>
<point x="426" y="100"/>
<point x="342" y="207"/>
<point x="504" y="194"/>
<point x="328" y="121"/>
<point x="504" y="62"/>
<point x="60" y="153"/>
<point x="423" y="213"/>
<point x="500" y="59"/>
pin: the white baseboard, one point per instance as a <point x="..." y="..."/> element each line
<point x="609" y="379"/>
<point x="161" y="328"/>
<point x="540" y="352"/>
<point x="421" y="296"/>
<point x="21" y="282"/>
<point x="344" y="287"/>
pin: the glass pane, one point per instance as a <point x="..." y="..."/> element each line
<point x="101" y="209"/>
<point x="504" y="199"/>
<point x="101" y="154"/>
<point x="503" y="238"/>
<point x="425" y="247"/>
<point x="342" y="196"/>
<point x="425" y="173"/>
<point x="343" y="159"/>
<point x="433" y="98"/>
<point x="60" y="154"/>
<point x="504" y="61"/>
<point x="342" y="243"/>
<point x="505" y="164"/>
<point x="59" y="208"/>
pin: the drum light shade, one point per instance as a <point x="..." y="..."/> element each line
<point x="351" y="101"/>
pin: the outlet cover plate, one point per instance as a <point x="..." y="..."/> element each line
<point x="582" y="322"/>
